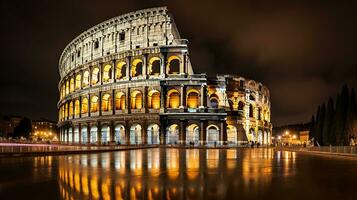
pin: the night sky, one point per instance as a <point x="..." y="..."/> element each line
<point x="304" y="51"/>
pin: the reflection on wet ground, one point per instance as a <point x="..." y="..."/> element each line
<point x="179" y="174"/>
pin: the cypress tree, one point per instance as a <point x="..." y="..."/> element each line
<point x="351" y="118"/>
<point x="320" y="124"/>
<point x="341" y="115"/>
<point x="327" y="127"/>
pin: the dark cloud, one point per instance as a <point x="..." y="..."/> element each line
<point x="302" y="50"/>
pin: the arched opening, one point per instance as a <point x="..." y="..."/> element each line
<point x="71" y="109"/>
<point x="106" y="103"/>
<point x="135" y="134"/>
<point x="66" y="110"/>
<point x="120" y="134"/>
<point x="265" y="138"/>
<point x="259" y="113"/>
<point x="70" y="135"/>
<point x="192" y="99"/>
<point x="252" y="135"/>
<point x="173" y="99"/>
<point x="153" y="134"/>
<point x="71" y="86"/>
<point x="78" y="81"/>
<point x="192" y="134"/>
<point x="120" y="101"/>
<point x="85" y="81"/>
<point x="84" y="134"/>
<point x="137" y="68"/>
<point x="260" y="137"/>
<point x="94" y="104"/>
<point x="212" y="134"/>
<point x="172" y="134"/>
<point x="230" y="104"/>
<point x="154" y="99"/>
<point x="76" y="108"/>
<point x="240" y="106"/>
<point x="214" y="101"/>
<point x="173" y="65"/>
<point x="107" y="73"/>
<point x="67" y="87"/>
<point x="154" y="66"/>
<point x="105" y="134"/>
<point x="95" y="75"/>
<point x="232" y="134"/>
<point x="93" y="134"/>
<point x="76" y="134"/>
<point x="121" y="70"/>
<point x="136" y="100"/>
<point x="251" y="110"/>
<point x="84" y="105"/>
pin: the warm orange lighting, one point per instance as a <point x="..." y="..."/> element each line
<point x="174" y="99"/>
<point x="192" y="99"/>
<point x="106" y="103"/>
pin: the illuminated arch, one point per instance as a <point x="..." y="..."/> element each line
<point x="119" y="101"/>
<point x="85" y="81"/>
<point x="192" y="98"/>
<point x="212" y="134"/>
<point x="173" y="99"/>
<point x="137" y="67"/>
<point x="71" y="85"/>
<point x="154" y="99"/>
<point x="120" y="70"/>
<point x="172" y="134"/>
<point x="153" y="134"/>
<point x="192" y="133"/>
<point x="105" y="131"/>
<point x="95" y="75"/>
<point x="119" y="134"/>
<point x="78" y="81"/>
<point x="173" y="65"/>
<point x="84" y="134"/>
<point x="94" y="104"/>
<point x="107" y="73"/>
<point x="154" y="66"/>
<point x="76" y="107"/>
<point x="71" y="109"/>
<point x="214" y="99"/>
<point x="93" y="134"/>
<point x="135" y="134"/>
<point x="106" y="103"/>
<point x="136" y="100"/>
<point x="84" y="105"/>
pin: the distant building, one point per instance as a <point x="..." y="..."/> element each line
<point x="291" y="134"/>
<point x="8" y="124"/>
<point x="44" y="130"/>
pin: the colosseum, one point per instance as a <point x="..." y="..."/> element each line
<point x="129" y="80"/>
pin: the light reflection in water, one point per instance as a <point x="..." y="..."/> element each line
<point x="163" y="173"/>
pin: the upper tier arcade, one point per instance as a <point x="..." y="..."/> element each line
<point x="144" y="30"/>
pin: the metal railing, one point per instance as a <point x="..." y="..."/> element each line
<point x="335" y="149"/>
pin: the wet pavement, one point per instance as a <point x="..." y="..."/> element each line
<point x="161" y="173"/>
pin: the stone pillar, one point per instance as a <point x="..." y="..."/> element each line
<point x="145" y="99"/>
<point x="223" y="133"/>
<point x="101" y="73"/>
<point x="163" y="132"/>
<point x="203" y="132"/>
<point x="112" y="131"/>
<point x="163" y="97"/>
<point x="183" y="96"/>
<point x="127" y="132"/>
<point x="114" y="71"/>
<point x="99" y="133"/>
<point x="88" y="133"/>
<point x="144" y="134"/>
<point x="89" y="105"/>
<point x="100" y="102"/>
<point x="128" y="67"/>
<point x="113" y="102"/>
<point x="79" y="133"/>
<point x="203" y="96"/>
<point x="182" y="136"/>
<point x="182" y="71"/>
<point x="80" y="107"/>
<point x="67" y="132"/>
<point x="145" y="66"/>
<point x="90" y="76"/>
<point x="128" y="100"/>
<point x="163" y="65"/>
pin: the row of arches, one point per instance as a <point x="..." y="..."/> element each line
<point x="107" y="74"/>
<point x="137" y="134"/>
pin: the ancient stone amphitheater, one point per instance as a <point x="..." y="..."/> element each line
<point x="129" y="80"/>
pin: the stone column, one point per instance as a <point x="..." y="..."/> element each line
<point x="90" y="76"/>
<point x="88" y="133"/>
<point x="101" y="73"/>
<point x="145" y="65"/>
<point x="114" y="70"/>
<point x="163" y="59"/>
<point x="80" y="107"/>
<point x="89" y="105"/>
<point x="79" y="133"/>
<point x="203" y="132"/>
<point x="127" y="132"/>
<point x="113" y="102"/>
<point x="163" y="132"/>
<point x="183" y="96"/>
<point x="128" y="100"/>
<point x="203" y="95"/>
<point x="99" y="133"/>
<point x="223" y="133"/>
<point x="100" y="102"/>
<point x="182" y="136"/>
<point x="112" y="133"/>
<point x="67" y="129"/>
<point x="163" y="97"/>
<point x="128" y="67"/>
<point x="145" y="99"/>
